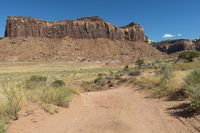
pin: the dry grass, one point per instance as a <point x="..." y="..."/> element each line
<point x="13" y="77"/>
<point x="187" y="66"/>
<point x="13" y="85"/>
<point x="66" y="72"/>
<point x="159" y="88"/>
<point x="148" y="82"/>
<point x="49" y="108"/>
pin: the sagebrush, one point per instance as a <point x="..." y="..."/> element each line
<point x="192" y="84"/>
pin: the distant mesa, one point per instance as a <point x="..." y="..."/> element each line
<point x="197" y="44"/>
<point x="82" y="28"/>
<point x="172" y="46"/>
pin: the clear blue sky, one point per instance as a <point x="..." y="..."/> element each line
<point x="175" y="18"/>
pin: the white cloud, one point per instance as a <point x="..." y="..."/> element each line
<point x="171" y="35"/>
<point x="168" y="36"/>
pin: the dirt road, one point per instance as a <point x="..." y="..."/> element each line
<point x="122" y="110"/>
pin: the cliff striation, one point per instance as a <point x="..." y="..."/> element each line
<point x="82" y="28"/>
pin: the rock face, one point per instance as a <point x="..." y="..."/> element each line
<point x="172" y="46"/>
<point x="197" y="44"/>
<point x="83" y="28"/>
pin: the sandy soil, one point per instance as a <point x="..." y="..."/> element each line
<point x="122" y="110"/>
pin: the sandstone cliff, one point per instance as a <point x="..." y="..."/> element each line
<point x="83" y="28"/>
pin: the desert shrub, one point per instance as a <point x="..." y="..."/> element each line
<point x="116" y="77"/>
<point x="193" y="78"/>
<point x="59" y="97"/>
<point x="33" y="95"/>
<point x="192" y="84"/>
<point x="37" y="78"/>
<point x="13" y="97"/>
<point x="188" y="55"/>
<point x="166" y="89"/>
<point x="10" y="106"/>
<point x="148" y="83"/>
<point x="51" y="109"/>
<point x="165" y="72"/>
<point x="132" y="81"/>
<point x="156" y="66"/>
<point x="126" y="68"/>
<point x="162" y="90"/>
<point x="139" y="62"/>
<point x="35" y="81"/>
<point x="169" y="85"/>
<point x="122" y="80"/>
<point x="58" y="83"/>
<point x="135" y="73"/>
<point x="111" y="72"/>
<point x="98" y="78"/>
<point x="2" y="126"/>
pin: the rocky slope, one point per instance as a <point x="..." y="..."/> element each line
<point x="172" y="46"/>
<point x="83" y="28"/>
<point x="74" y="50"/>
